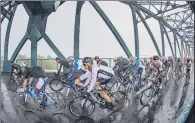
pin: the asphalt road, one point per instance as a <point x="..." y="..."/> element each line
<point x="162" y="110"/>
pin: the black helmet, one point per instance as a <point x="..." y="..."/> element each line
<point x="188" y="60"/>
<point x="155" y="57"/>
<point x="57" y="58"/>
<point x="87" y="60"/>
<point x="96" y="57"/>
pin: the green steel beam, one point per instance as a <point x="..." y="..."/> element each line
<point x="168" y="40"/>
<point x="111" y="27"/>
<point x="5" y="13"/>
<point x="34" y="52"/>
<point x="77" y="28"/>
<point x="19" y="47"/>
<point x="135" y="22"/>
<point x="149" y="31"/>
<point x="175" y="38"/>
<point x="162" y="39"/>
<point x="44" y="35"/>
<point x="145" y="10"/>
<point x="6" y="63"/>
<point x="175" y="48"/>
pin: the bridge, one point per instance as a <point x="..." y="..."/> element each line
<point x="176" y="28"/>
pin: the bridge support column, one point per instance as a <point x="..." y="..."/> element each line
<point x="40" y="26"/>
<point x="168" y="40"/>
<point x="162" y="39"/>
<point x="77" y="29"/>
<point x="111" y="27"/>
<point x="6" y="62"/>
<point x="137" y="54"/>
<point x="148" y="29"/>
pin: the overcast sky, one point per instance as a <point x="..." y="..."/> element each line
<point x="95" y="36"/>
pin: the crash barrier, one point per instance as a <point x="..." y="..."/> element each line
<point x="185" y="109"/>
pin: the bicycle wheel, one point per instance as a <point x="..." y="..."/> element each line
<point x="56" y="85"/>
<point x="84" y="106"/>
<point x="118" y="99"/>
<point x="13" y="84"/>
<point x="146" y="96"/>
<point x="27" y="102"/>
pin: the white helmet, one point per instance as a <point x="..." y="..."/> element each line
<point x="23" y="64"/>
<point x="70" y="58"/>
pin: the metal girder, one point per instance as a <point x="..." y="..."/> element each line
<point x="77" y="29"/>
<point x="168" y="39"/>
<point x="175" y="38"/>
<point x="5" y="13"/>
<point x="176" y="13"/>
<point x="136" y="36"/>
<point x="6" y="63"/>
<point x="158" y="18"/>
<point x="148" y="29"/>
<point x="44" y="35"/>
<point x="19" y="47"/>
<point x="156" y="15"/>
<point x="111" y="27"/>
<point x="162" y="39"/>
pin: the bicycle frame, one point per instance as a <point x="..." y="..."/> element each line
<point x="44" y="104"/>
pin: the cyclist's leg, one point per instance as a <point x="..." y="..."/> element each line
<point x="109" y="85"/>
<point x="25" y="84"/>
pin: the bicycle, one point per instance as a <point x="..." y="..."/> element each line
<point x="31" y="97"/>
<point x="15" y="80"/>
<point x="89" y="100"/>
<point x="68" y="83"/>
<point x="153" y="90"/>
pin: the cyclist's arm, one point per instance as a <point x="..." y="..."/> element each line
<point x="93" y="78"/>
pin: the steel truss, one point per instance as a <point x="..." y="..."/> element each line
<point x="173" y="17"/>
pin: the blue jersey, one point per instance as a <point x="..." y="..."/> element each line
<point x="77" y="64"/>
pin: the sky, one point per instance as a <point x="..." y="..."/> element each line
<point x="95" y="36"/>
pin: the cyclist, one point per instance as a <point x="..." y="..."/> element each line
<point x="100" y="61"/>
<point x="159" y="67"/>
<point x="178" y="65"/>
<point x="121" y="66"/>
<point x="188" y="67"/>
<point x="167" y="66"/>
<point x="97" y="73"/>
<point x="63" y="64"/>
<point x="30" y="73"/>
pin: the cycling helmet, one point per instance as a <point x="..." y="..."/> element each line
<point x="155" y="57"/>
<point x="23" y="64"/>
<point x="96" y="57"/>
<point x="87" y="60"/>
<point x="70" y="58"/>
<point x="188" y="60"/>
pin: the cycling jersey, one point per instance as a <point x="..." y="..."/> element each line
<point x="77" y="64"/>
<point x="159" y="65"/>
<point x="98" y="72"/>
<point x="121" y="64"/>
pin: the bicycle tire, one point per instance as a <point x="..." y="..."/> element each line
<point x="151" y="96"/>
<point x="123" y="104"/>
<point x="13" y="84"/>
<point x="81" y="98"/>
<point x="58" y="82"/>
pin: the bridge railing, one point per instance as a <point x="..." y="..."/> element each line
<point x="51" y="65"/>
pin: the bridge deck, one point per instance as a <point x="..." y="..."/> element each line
<point x="161" y="111"/>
